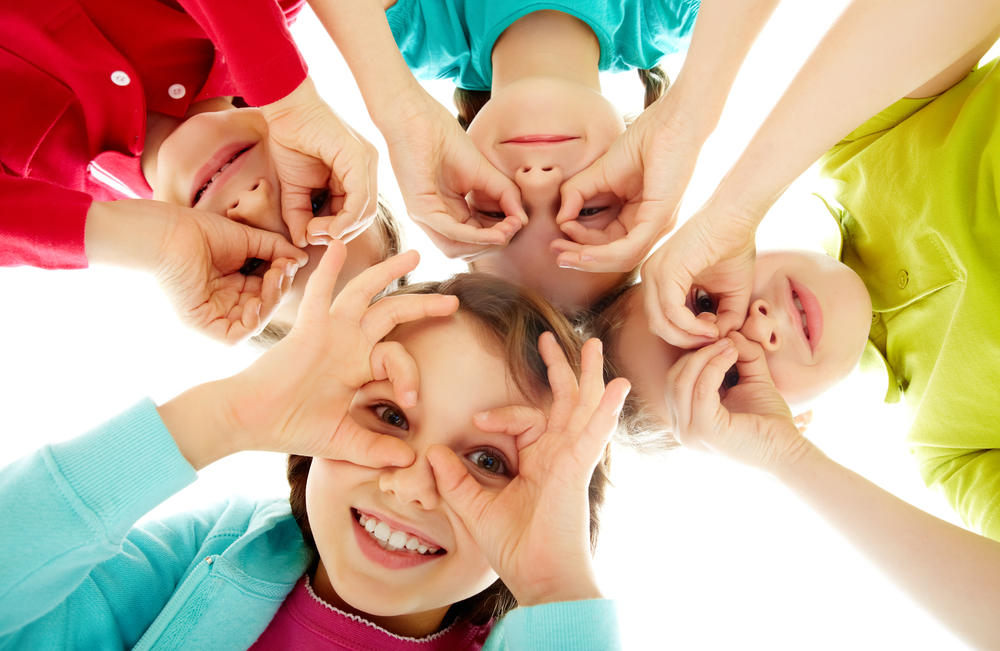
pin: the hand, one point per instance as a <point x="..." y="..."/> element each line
<point x="296" y="397"/>
<point x="751" y="424"/>
<point x="717" y="252"/>
<point x="649" y="167"/>
<point x="437" y="166"/>
<point x="313" y="148"/>
<point x="535" y="532"/>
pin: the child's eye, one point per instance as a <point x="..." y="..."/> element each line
<point x="250" y="266"/>
<point x="490" y="462"/>
<point x="702" y="302"/>
<point x="732" y="378"/>
<point x="391" y="416"/>
<point x="319" y="201"/>
<point x="499" y="216"/>
<point x="590" y="212"/>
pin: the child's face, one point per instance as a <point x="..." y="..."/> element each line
<point x="804" y="360"/>
<point x="247" y="190"/>
<point x="402" y="589"/>
<point x="540" y="132"/>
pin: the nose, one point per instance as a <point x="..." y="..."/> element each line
<point x="540" y="184"/>
<point x="413" y="484"/>
<point x="760" y="326"/>
<point x="257" y="206"/>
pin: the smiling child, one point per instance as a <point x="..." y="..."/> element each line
<point x="437" y="451"/>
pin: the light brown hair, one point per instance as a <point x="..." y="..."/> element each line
<point x="510" y="320"/>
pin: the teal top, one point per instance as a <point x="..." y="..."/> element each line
<point x="453" y="39"/>
<point x="76" y="573"/>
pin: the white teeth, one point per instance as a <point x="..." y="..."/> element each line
<point x="393" y="540"/>
<point x="798" y="303"/>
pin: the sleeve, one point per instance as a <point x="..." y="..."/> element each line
<point x="970" y="481"/>
<point x="253" y="37"/>
<point x="590" y="625"/>
<point x="43" y="225"/>
<point x="65" y="511"/>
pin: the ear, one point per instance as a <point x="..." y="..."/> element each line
<point x="803" y="420"/>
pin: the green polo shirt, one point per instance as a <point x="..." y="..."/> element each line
<point x="920" y="224"/>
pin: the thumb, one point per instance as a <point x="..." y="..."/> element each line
<point x="366" y="448"/>
<point x="458" y="488"/>
<point x="269" y="246"/>
<point x="578" y="189"/>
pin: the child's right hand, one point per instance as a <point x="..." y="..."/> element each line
<point x="535" y="532"/>
<point x="295" y="398"/>
<point x="751" y="424"/>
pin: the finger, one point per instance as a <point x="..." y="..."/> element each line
<point x="594" y="236"/>
<point x="296" y="210"/>
<point x="357" y="294"/>
<point x="526" y="423"/>
<point x="322" y="282"/>
<point x="622" y="254"/>
<point x="389" y="312"/>
<point x="732" y="312"/>
<point x="500" y="188"/>
<point x="562" y="381"/>
<point x="752" y="362"/>
<point x="275" y="285"/>
<point x="390" y="361"/>
<point x="271" y="246"/>
<point x="706" y="401"/>
<point x="681" y="380"/>
<point x="591" y="385"/>
<point x="458" y="488"/>
<point x="603" y="422"/>
<point x="664" y="304"/>
<point x="356" y="185"/>
<point x="583" y="186"/>
<point x="323" y="230"/>
<point x="366" y="448"/>
<point x="469" y="232"/>
<point x="803" y="420"/>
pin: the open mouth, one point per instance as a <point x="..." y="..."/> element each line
<point x="394" y="540"/>
<point x="802" y="313"/>
<point x="204" y="188"/>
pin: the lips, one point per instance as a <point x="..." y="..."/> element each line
<point x="805" y="304"/>
<point x="539" y="139"/>
<point x="214" y="169"/>
<point x="393" y="545"/>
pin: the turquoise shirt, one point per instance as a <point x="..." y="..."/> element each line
<point x="453" y="39"/>
<point x="921" y="226"/>
<point x="76" y="573"/>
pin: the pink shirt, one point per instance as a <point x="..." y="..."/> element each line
<point x="305" y="622"/>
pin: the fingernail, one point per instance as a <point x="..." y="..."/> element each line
<point x="321" y="240"/>
<point x="258" y="309"/>
<point x="600" y="346"/>
<point x="318" y="233"/>
<point x="724" y="343"/>
<point x="290" y="269"/>
<point x="483" y="415"/>
<point x="566" y="265"/>
<point x="587" y="258"/>
<point x="280" y="278"/>
<point x="411" y="397"/>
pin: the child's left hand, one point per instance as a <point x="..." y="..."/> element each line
<point x="535" y="532"/>
<point x="751" y="424"/>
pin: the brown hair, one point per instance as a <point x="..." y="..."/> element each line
<point x="470" y="102"/>
<point x="392" y="241"/>
<point x="510" y="320"/>
<point x="638" y="427"/>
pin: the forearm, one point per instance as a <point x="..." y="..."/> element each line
<point x="200" y="425"/>
<point x="361" y="32"/>
<point x="723" y="34"/>
<point x="877" y="52"/>
<point x="953" y="572"/>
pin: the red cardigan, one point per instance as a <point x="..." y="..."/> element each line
<point x="83" y="74"/>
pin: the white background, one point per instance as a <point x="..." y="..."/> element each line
<point x="699" y="553"/>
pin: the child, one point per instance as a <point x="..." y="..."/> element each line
<point x="149" y="117"/>
<point x="545" y="121"/>
<point x="809" y="313"/>
<point x="400" y="463"/>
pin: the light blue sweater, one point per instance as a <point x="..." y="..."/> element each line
<point x="76" y="573"/>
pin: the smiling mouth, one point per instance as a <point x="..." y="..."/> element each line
<point x="393" y="540"/>
<point x="538" y="139"/>
<point x="802" y="313"/>
<point x="204" y="188"/>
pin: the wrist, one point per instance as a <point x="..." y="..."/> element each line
<point x="576" y="583"/>
<point x="200" y="424"/>
<point x="125" y="233"/>
<point x="304" y="95"/>
<point x="799" y="463"/>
